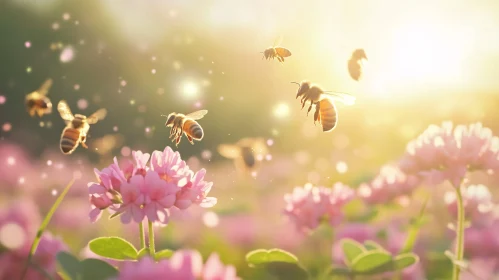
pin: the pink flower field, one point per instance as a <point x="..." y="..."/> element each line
<point x="249" y="140"/>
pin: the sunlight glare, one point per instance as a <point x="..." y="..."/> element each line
<point x="281" y="111"/>
<point x="189" y="89"/>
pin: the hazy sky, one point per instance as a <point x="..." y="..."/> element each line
<point x="412" y="46"/>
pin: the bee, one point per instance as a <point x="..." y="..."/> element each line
<point x="325" y="109"/>
<point x="275" y="51"/>
<point x="246" y="153"/>
<point x="355" y="64"/>
<point x="186" y="124"/>
<point x="77" y="127"/>
<point x="37" y="102"/>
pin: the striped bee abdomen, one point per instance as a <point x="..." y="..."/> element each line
<point x="328" y="115"/>
<point x="69" y="139"/>
<point x="193" y="129"/>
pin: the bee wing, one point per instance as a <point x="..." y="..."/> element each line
<point x="197" y="115"/>
<point x="343" y="97"/>
<point x="278" y="41"/>
<point x="229" y="151"/>
<point x="65" y="111"/>
<point x="328" y="115"/>
<point x="97" y="116"/>
<point x="45" y="87"/>
<point x="359" y="54"/>
<point x="283" y="52"/>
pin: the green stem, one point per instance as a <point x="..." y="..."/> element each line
<point x="459" y="254"/>
<point x="142" y="235"/>
<point x="44" y="224"/>
<point x="152" y="251"/>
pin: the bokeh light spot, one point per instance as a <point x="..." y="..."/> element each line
<point x="210" y="219"/>
<point x="12" y="236"/>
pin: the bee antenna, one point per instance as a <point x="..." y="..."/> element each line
<point x="295" y="83"/>
<point x="164" y="116"/>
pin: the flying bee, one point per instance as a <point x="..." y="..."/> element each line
<point x="325" y="109"/>
<point x="77" y="127"/>
<point x="186" y="124"/>
<point x="246" y="153"/>
<point x="355" y="64"/>
<point x="37" y="102"/>
<point x="276" y="51"/>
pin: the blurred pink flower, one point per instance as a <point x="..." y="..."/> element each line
<point x="214" y="269"/>
<point x="482" y="241"/>
<point x="390" y="184"/>
<point x="183" y="265"/>
<point x="309" y="205"/>
<point x="477" y="201"/>
<point x="145" y="269"/>
<point x="442" y="153"/>
<point x="18" y="225"/>
<point x="138" y="191"/>
<point x="23" y="213"/>
<point x="12" y="263"/>
<point x="481" y="268"/>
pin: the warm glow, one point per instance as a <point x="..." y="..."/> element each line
<point x="189" y="89"/>
<point x="281" y="110"/>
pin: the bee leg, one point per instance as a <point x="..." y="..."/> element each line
<point x="309" y="108"/>
<point x="178" y="140"/>
<point x="190" y="139"/>
<point x="303" y="103"/>
<point x="83" y="139"/>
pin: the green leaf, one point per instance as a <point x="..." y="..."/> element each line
<point x="69" y="264"/>
<point x="405" y="260"/>
<point x="113" y="248"/>
<point x="94" y="269"/>
<point x="143" y="252"/>
<point x="371" y="245"/>
<point x="340" y="271"/>
<point x="351" y="249"/>
<point x="370" y="260"/>
<point x="286" y="270"/>
<point x="163" y="254"/>
<point x="262" y="256"/>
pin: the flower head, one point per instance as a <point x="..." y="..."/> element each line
<point x="309" y="205"/>
<point x="138" y="191"/>
<point x="477" y="201"/>
<point x="388" y="185"/>
<point x="446" y="152"/>
<point x="183" y="265"/>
